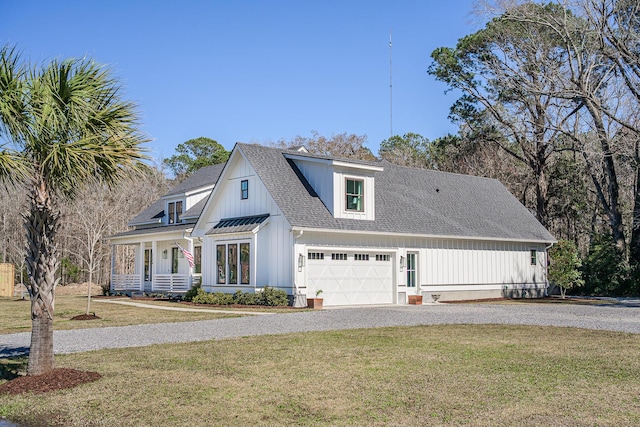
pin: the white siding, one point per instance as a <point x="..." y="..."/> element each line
<point x="445" y="264"/>
<point x="320" y="177"/>
<point x="194" y="198"/>
<point x="271" y="247"/>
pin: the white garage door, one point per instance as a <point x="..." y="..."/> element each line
<point x="348" y="278"/>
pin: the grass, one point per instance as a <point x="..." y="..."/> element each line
<point x="487" y="375"/>
<point x="15" y="314"/>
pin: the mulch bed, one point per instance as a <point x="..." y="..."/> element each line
<point x="85" y="317"/>
<point x="58" y="379"/>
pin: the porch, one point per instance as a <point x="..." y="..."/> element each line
<point x="161" y="283"/>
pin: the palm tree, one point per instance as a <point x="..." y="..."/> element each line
<point x="67" y="126"/>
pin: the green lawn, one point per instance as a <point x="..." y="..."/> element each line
<point x="433" y="375"/>
<point x="15" y="314"/>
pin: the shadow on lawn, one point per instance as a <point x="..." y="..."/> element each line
<point x="13" y="352"/>
<point x="10" y="368"/>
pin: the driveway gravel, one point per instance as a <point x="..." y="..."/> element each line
<point x="613" y="317"/>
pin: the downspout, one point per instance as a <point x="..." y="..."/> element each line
<point x="299" y="300"/>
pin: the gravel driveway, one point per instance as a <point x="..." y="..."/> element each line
<point x="622" y="318"/>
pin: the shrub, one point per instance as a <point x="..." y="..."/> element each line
<point x="272" y="297"/>
<point x="216" y="298"/>
<point x="564" y="269"/>
<point x="267" y="297"/>
<point x="604" y="270"/>
<point x="191" y="293"/>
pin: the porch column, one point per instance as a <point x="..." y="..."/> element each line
<point x="154" y="257"/>
<point x="140" y="265"/>
<point x="113" y="266"/>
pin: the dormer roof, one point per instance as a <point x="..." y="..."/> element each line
<point x="200" y="179"/>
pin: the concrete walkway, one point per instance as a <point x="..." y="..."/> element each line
<point x="613" y="317"/>
<point x="196" y="310"/>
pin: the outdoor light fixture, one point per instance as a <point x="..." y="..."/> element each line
<point x="164" y="254"/>
<point x="401" y="262"/>
<point x="300" y="262"/>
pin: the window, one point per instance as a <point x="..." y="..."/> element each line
<point x="233" y="262"/>
<point x="178" y="211"/>
<point x="244" y="263"/>
<point x="315" y="255"/>
<point x="533" y="256"/>
<point x="232" y="257"/>
<point x="244" y="189"/>
<point x="339" y="257"/>
<point x="221" y="263"/>
<point x="174" y="260"/>
<point x="175" y="212"/>
<point x="355" y="195"/>
<point x="197" y="259"/>
<point x="172" y="214"/>
<point x="383" y="257"/>
<point x="411" y="270"/>
<point x="361" y="257"/>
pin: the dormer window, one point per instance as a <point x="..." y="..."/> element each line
<point x="244" y="189"/>
<point x="355" y="195"/>
<point x="175" y="212"/>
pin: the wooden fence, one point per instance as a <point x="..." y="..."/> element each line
<point x="7" y="278"/>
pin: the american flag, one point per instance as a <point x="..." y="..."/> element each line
<point x="188" y="255"/>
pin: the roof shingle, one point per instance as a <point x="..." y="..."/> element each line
<point x="407" y="201"/>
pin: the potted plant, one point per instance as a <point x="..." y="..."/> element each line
<point x="416" y="299"/>
<point x="315" y="303"/>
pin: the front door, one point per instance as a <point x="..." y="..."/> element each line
<point x="148" y="263"/>
<point x="412" y="271"/>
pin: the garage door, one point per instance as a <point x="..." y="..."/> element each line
<point x="348" y="278"/>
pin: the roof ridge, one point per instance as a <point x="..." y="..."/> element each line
<point x="413" y="168"/>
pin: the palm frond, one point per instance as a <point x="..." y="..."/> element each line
<point x="82" y="129"/>
<point x="13" y="168"/>
<point x="13" y="114"/>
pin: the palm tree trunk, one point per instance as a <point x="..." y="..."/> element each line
<point x="41" y="350"/>
<point x="41" y="225"/>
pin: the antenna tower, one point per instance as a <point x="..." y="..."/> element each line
<point x="390" y="91"/>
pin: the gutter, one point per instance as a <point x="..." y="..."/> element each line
<point x="431" y="236"/>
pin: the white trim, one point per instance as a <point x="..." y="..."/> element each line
<point x="332" y="162"/>
<point x="429" y="236"/>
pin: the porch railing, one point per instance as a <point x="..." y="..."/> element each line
<point x="125" y="282"/>
<point x="171" y="283"/>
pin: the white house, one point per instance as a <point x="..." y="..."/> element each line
<point x="157" y="231"/>
<point x="362" y="232"/>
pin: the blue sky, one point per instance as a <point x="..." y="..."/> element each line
<point x="256" y="71"/>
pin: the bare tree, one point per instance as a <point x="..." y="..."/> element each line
<point x="348" y="146"/>
<point x="506" y="73"/>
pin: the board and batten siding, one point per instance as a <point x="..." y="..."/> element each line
<point x="271" y="247"/>
<point x="457" y="262"/>
<point x="194" y="198"/>
<point x="446" y="264"/>
<point x="320" y="177"/>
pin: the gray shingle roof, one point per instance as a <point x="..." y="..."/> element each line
<point x="203" y="177"/>
<point x="407" y="200"/>
<point x="152" y="214"/>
